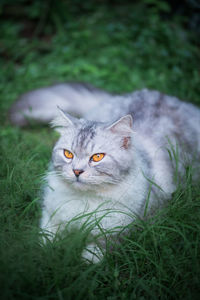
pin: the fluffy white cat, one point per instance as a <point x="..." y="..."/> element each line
<point x="106" y="162"/>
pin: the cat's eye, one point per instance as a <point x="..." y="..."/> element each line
<point x="97" y="157"/>
<point x="68" y="154"/>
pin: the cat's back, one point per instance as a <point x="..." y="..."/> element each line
<point x="154" y="104"/>
<point x="153" y="107"/>
<point x="158" y="116"/>
<point x="145" y="105"/>
<point x="155" y="116"/>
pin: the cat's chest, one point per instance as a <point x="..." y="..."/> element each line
<point x="65" y="203"/>
<point x="113" y="206"/>
<point x="58" y="196"/>
<point x="66" y="207"/>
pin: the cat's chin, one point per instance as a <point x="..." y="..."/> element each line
<point x="80" y="186"/>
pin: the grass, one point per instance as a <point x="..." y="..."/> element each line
<point x="118" y="49"/>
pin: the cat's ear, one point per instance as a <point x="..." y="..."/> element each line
<point x="124" y="128"/>
<point x="63" y="120"/>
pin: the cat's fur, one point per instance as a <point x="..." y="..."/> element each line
<point x="134" y="132"/>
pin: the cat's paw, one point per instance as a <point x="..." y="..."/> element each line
<point x="92" y="254"/>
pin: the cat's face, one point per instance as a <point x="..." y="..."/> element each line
<point x="90" y="153"/>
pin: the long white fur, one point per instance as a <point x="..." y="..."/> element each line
<point x="117" y="186"/>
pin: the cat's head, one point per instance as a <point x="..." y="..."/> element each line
<point x="92" y="153"/>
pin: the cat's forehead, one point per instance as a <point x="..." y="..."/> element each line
<point x="85" y="136"/>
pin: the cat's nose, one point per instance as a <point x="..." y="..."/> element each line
<point x="78" y="172"/>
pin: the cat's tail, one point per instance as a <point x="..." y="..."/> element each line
<point x="40" y="106"/>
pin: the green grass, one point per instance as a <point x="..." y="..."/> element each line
<point x="119" y="49"/>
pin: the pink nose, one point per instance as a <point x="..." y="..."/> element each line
<point x="78" y="172"/>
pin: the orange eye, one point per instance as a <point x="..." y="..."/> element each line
<point x="97" y="157"/>
<point x="68" y="154"/>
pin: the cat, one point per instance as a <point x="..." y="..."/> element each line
<point x="114" y="159"/>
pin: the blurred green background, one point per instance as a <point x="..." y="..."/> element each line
<point x="119" y="46"/>
<point x="116" y="45"/>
